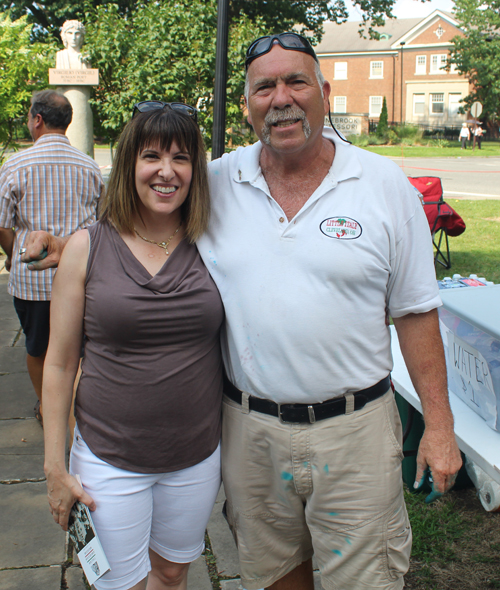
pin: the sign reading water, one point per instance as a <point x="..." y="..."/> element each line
<point x="471" y="377"/>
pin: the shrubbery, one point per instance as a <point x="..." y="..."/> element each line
<point x="405" y="134"/>
<point x="383" y="125"/>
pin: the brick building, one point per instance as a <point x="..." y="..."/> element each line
<point x="405" y="65"/>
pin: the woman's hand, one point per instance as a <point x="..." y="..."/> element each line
<point x="63" y="490"/>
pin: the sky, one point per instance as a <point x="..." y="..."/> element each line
<point x="409" y="8"/>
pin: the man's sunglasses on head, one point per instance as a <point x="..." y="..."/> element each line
<point x="292" y="41"/>
<point x="153" y="105"/>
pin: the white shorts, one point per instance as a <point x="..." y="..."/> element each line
<point x="167" y="512"/>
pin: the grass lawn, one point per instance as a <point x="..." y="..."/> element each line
<point x="456" y="544"/>
<point x="491" y="148"/>
<point x="477" y="250"/>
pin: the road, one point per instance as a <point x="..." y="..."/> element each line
<point x="462" y="178"/>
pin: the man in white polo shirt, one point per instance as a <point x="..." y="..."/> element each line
<point x="312" y="243"/>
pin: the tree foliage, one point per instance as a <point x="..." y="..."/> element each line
<point x="23" y="69"/>
<point x="49" y="15"/>
<point x="383" y="125"/>
<point x="477" y="54"/>
<point x="163" y="51"/>
<point x="276" y="15"/>
<point x="282" y="15"/>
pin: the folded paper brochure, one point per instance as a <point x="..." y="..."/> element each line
<point x="86" y="542"/>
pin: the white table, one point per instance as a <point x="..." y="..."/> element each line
<point x="475" y="438"/>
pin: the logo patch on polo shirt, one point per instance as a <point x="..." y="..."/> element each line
<point x="341" y="228"/>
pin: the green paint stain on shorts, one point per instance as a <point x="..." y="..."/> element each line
<point x="337" y="552"/>
<point x="333" y="513"/>
<point x="286" y="476"/>
<point x="348" y="541"/>
<point x="326" y="468"/>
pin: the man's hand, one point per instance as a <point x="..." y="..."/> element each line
<point x="7" y="242"/>
<point x="422" y="348"/>
<point x="439" y="457"/>
<point x="43" y="250"/>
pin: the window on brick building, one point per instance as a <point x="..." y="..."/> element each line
<point x="421" y="64"/>
<point x="340" y="70"/>
<point x="375" y="106"/>
<point x="419" y="104"/>
<point x="438" y="62"/>
<point x="437" y="103"/>
<point x="376" y="69"/>
<point x="339" y="104"/>
<point x="454" y="103"/>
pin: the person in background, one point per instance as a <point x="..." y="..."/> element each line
<point x="148" y="404"/>
<point x="478" y="132"/>
<point x="464" y="135"/>
<point x="50" y="187"/>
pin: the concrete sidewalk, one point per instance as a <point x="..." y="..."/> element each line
<point x="34" y="551"/>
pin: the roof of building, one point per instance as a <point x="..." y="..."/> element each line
<point x="338" y="37"/>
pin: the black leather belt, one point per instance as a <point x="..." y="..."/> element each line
<point x="304" y="413"/>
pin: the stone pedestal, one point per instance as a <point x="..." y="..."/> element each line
<point x="81" y="131"/>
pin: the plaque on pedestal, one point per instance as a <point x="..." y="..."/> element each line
<point x="87" y="77"/>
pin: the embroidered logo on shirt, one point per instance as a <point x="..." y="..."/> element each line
<point x="341" y="228"/>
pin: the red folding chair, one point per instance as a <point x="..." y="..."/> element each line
<point x="443" y="220"/>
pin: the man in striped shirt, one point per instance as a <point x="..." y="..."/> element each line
<point x="51" y="186"/>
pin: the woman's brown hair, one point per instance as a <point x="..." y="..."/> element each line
<point x="158" y="128"/>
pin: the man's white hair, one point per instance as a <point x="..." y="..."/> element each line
<point x="317" y="71"/>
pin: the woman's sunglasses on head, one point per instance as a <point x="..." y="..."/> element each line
<point x="291" y="41"/>
<point x="153" y="105"/>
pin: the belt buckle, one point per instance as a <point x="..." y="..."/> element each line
<point x="310" y="411"/>
<point x="280" y="417"/>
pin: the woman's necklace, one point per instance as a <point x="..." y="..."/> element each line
<point x="163" y="245"/>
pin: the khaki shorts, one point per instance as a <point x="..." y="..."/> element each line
<point x="332" y="489"/>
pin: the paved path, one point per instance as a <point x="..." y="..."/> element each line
<point x="34" y="551"/>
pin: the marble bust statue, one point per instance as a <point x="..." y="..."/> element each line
<point x="72" y="58"/>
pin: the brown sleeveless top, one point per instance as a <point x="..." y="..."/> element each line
<point x="149" y="399"/>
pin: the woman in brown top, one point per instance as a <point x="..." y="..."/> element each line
<point x="147" y="408"/>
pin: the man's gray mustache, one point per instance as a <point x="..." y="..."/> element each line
<point x="273" y="117"/>
<point x="287" y="114"/>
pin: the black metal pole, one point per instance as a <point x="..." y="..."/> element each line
<point x="219" y="129"/>
<point x="402" y="47"/>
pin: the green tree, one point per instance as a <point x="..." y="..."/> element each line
<point x="49" y="15"/>
<point x="23" y="69"/>
<point x="165" y="51"/>
<point x="383" y="125"/>
<point x="477" y="55"/>
<point x="277" y="15"/>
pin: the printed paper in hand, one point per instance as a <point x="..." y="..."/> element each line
<point x="86" y="542"/>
